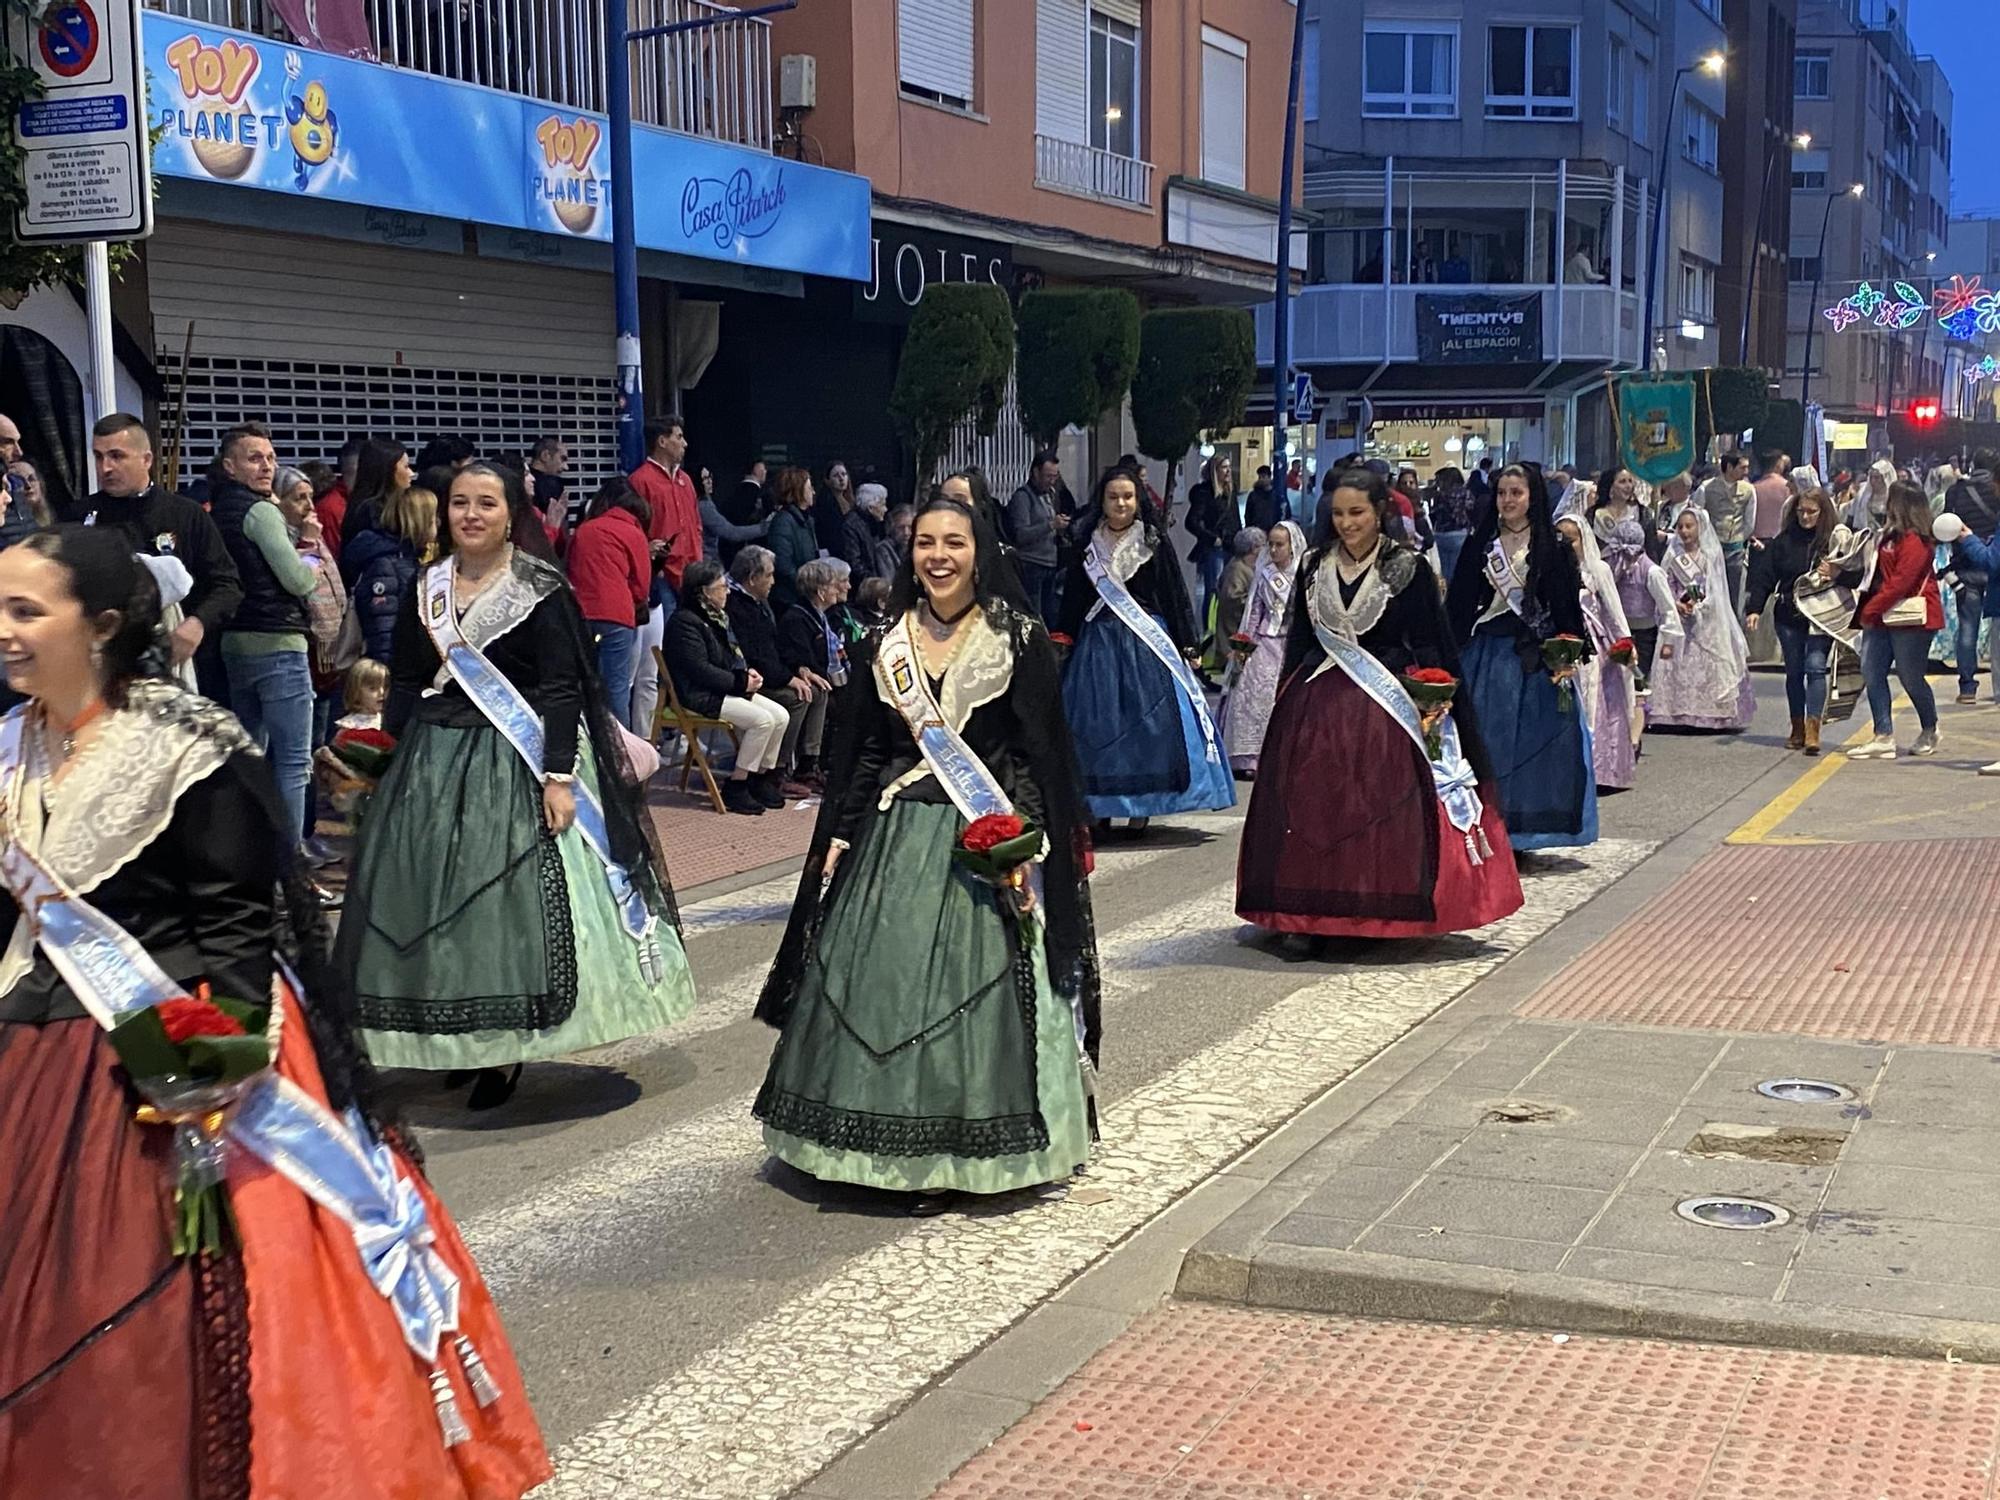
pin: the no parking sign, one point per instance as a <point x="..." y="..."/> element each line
<point x="86" y="165"/>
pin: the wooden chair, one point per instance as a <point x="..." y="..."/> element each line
<point x="671" y="714"/>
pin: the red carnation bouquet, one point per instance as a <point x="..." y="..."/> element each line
<point x="1431" y="689"/>
<point x="1061" y="640"/>
<point x="349" y="768"/>
<point x="996" y="848"/>
<point x="1241" y="644"/>
<point x="1562" y="654"/>
<point x="193" y="1057"/>
<point x="1623" y="651"/>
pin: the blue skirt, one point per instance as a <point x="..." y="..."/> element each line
<point x="1142" y="751"/>
<point x="1540" y="750"/>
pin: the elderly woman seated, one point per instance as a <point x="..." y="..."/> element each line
<point x="803" y="693"/>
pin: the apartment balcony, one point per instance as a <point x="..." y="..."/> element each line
<point x="714" y="83"/>
<point x="1088" y="172"/>
<point x="1581" y="328"/>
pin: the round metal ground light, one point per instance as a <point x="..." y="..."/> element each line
<point x="1732" y="1213"/>
<point x="1805" y="1091"/>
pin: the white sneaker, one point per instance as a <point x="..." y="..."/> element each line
<point x="1880" y="747"/>
<point x="1926" y="744"/>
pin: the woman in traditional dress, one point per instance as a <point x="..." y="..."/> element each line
<point x="266" y="1367"/>
<point x="1143" y="733"/>
<point x="937" y="1028"/>
<point x="1610" y="689"/>
<point x="1354" y="828"/>
<point x="1518" y="588"/>
<point x="1246" y="711"/>
<point x="545" y="924"/>
<point x="1704" y="683"/>
<point x="1628" y="535"/>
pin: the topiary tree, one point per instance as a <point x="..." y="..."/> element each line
<point x="1196" y="365"/>
<point x="1783" y="425"/>
<point x="1738" y="395"/>
<point x="956" y="358"/>
<point x="1075" y="351"/>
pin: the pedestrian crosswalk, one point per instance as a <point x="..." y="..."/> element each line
<point x="759" y="1411"/>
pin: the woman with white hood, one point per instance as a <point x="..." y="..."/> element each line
<point x="1267" y="622"/>
<point x="1607" y="687"/>
<point x="1703" y="680"/>
<point x="1870" y="505"/>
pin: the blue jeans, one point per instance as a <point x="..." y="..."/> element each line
<point x="1449" y="545"/>
<point x="615" y="647"/>
<point x="1043" y="586"/>
<point x="1805" y="668"/>
<point x="1971" y="601"/>
<point x="1908" y="652"/>
<point x="272" y="694"/>
<point x="1212" y="563"/>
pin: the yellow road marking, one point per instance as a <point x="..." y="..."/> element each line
<point x="1761" y="828"/>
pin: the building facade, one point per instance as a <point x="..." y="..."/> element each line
<point x="1759" y="138"/>
<point x="1870" y="208"/>
<point x="1488" y="244"/>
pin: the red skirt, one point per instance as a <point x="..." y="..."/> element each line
<point x="273" y="1373"/>
<point x="1345" y="836"/>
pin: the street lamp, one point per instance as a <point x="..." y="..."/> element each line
<point x="1281" y="321"/>
<point x="1710" y="64"/>
<point x="624" y="233"/>
<point x="1819" y="270"/>
<point x="1799" y="142"/>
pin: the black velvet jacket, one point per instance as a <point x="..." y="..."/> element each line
<point x="1157" y="586"/>
<point x="538" y="656"/>
<point x="200" y="898"/>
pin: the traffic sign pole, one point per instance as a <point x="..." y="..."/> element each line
<point x="97" y="311"/>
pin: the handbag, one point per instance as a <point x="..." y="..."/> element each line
<point x="1910" y="612"/>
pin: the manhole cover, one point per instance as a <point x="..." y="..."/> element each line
<point x="1733" y="1213"/>
<point x="1805" y="1091"/>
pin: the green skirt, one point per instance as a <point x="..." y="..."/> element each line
<point x="923" y="1053"/>
<point x="474" y="939"/>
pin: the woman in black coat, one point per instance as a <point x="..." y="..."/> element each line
<point x="711" y="678"/>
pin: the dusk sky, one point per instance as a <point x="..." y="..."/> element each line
<point x="1962" y="35"/>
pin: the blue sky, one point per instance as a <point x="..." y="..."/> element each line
<point x="1962" y="35"/>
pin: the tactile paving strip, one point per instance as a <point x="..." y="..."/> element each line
<point x="1220" y="1403"/>
<point x="1879" y="942"/>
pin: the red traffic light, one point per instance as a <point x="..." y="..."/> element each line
<point x="1926" y="411"/>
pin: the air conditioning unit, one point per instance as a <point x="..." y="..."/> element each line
<point x="798" y="81"/>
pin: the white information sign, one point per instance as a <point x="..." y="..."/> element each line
<point x="84" y="154"/>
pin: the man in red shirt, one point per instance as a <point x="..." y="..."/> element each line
<point x="675" y="530"/>
<point x="331" y="508"/>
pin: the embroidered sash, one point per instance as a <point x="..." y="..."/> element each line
<point x="518" y="722"/>
<point x="329" y="1158"/>
<point x="1118" y="599"/>
<point x="1507" y="583"/>
<point x="899" y="673"/>
<point x="1451" y="774"/>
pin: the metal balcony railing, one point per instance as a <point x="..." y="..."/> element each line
<point x="1090" y="172"/>
<point x="715" y="82"/>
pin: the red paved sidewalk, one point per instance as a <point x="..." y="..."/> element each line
<point x="703" y="845"/>
<point x="1199" y="1402"/>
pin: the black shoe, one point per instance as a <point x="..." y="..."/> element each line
<point x="494" y="1087"/>
<point x="738" y="798"/>
<point x="764" y="787"/>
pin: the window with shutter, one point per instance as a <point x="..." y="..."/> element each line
<point x="934" y="49"/>
<point x="1062" y="84"/>
<point x="1224" y="64"/>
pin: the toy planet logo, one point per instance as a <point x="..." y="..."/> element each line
<point x="566" y="180"/>
<point x="216" y="120"/>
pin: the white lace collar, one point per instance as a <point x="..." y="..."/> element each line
<point x="1329" y="611"/>
<point x="120" y="794"/>
<point x="980" y="670"/>
<point x="1122" y="554"/>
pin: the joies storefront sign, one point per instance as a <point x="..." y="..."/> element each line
<point x="905" y="263"/>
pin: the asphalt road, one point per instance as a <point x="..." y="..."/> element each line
<point x="696" y="1320"/>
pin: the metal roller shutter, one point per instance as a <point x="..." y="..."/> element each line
<point x="324" y="338"/>
<point x="934" y="46"/>
<point x="1062" y="78"/>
